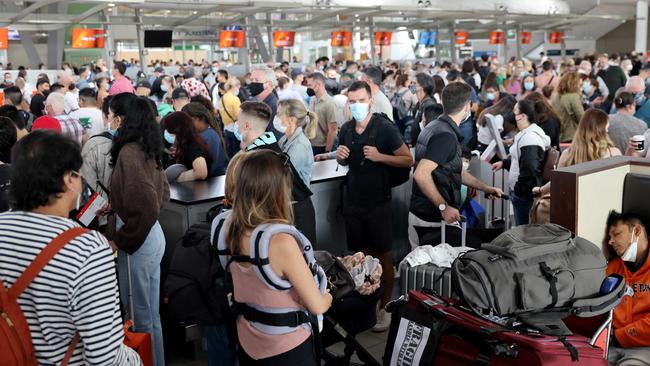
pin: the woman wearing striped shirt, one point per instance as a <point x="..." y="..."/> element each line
<point x="77" y="291"/>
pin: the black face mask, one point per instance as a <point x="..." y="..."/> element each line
<point x="256" y="88"/>
<point x="311" y="92"/>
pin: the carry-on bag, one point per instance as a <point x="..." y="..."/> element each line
<point x="529" y="268"/>
<point x="429" y="275"/>
<point x="139" y="342"/>
<point x="432" y="330"/>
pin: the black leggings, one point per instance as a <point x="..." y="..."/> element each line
<point x="302" y="355"/>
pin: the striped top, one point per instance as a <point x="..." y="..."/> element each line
<point x="76" y="291"/>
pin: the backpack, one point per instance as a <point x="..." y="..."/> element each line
<point x="529" y="268"/>
<point x="396" y="176"/>
<point x="400" y="111"/>
<point x="15" y="337"/>
<point x="196" y="286"/>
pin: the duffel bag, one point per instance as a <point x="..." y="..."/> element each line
<point x="529" y="268"/>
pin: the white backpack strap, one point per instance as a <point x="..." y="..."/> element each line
<point x="259" y="254"/>
<point x="218" y="230"/>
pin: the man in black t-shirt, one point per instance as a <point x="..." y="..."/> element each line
<point x="368" y="215"/>
<point x="439" y="171"/>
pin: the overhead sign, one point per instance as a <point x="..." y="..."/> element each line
<point x="14" y="35"/>
<point x="555" y="37"/>
<point x="497" y="38"/>
<point x="461" y="37"/>
<point x="4" y="38"/>
<point x="465" y="51"/>
<point x="87" y="38"/>
<point x="283" y="38"/>
<point x="383" y="38"/>
<point x="341" y="39"/>
<point x="428" y="38"/>
<point x="525" y="37"/>
<point x="231" y="39"/>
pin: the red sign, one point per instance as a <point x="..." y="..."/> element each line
<point x="4" y="38"/>
<point x="556" y="37"/>
<point x="461" y="37"/>
<point x="283" y="39"/>
<point x="231" y="39"/>
<point x="497" y="37"/>
<point x="383" y="38"/>
<point x="341" y="39"/>
<point x="87" y="38"/>
<point x="524" y="37"/>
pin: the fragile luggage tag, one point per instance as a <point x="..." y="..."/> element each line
<point x="417" y="337"/>
<point x="87" y="213"/>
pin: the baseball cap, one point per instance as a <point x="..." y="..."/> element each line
<point x="159" y="69"/>
<point x="143" y="84"/>
<point x="47" y="123"/>
<point x="296" y="72"/>
<point x="179" y="93"/>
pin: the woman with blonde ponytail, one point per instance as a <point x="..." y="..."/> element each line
<point x="298" y="127"/>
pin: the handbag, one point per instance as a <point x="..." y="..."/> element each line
<point x="339" y="280"/>
<point x="540" y="213"/>
<point x="551" y="159"/>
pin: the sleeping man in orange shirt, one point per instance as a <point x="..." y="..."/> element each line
<point x="626" y="249"/>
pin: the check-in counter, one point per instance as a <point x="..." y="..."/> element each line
<point x="190" y="202"/>
<point x="582" y="195"/>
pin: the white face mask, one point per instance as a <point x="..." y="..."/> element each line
<point x="277" y="124"/>
<point x="630" y="253"/>
<point x="465" y="165"/>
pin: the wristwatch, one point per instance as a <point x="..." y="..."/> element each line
<point x="442" y="207"/>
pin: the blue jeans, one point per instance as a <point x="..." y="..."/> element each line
<point x="522" y="207"/>
<point x="219" y="351"/>
<point x="145" y="288"/>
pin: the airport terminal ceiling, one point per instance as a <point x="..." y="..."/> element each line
<point x="312" y="15"/>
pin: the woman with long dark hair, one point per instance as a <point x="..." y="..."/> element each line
<point x="190" y="149"/>
<point x="203" y="121"/>
<point x="546" y="117"/>
<point x="137" y="193"/>
<point x="502" y="108"/>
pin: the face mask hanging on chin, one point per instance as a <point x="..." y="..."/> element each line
<point x="630" y="252"/>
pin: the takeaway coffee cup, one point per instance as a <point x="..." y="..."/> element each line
<point x="639" y="141"/>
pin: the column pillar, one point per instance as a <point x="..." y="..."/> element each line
<point x="518" y="40"/>
<point x="438" y="58"/>
<point x="452" y="43"/>
<point x="641" y="35"/>
<point x="371" y="39"/>
<point x="183" y="52"/>
<point x="140" y="39"/>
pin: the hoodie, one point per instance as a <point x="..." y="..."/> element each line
<point x="527" y="160"/>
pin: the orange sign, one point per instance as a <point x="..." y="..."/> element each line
<point x="4" y="38"/>
<point x="231" y="39"/>
<point x="497" y="37"/>
<point x="383" y="38"/>
<point x="461" y="37"/>
<point x="87" y="38"/>
<point x="524" y="37"/>
<point x="556" y="37"/>
<point x="283" y="39"/>
<point x="341" y="39"/>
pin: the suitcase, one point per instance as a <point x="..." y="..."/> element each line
<point x="430" y="330"/>
<point x="429" y="276"/>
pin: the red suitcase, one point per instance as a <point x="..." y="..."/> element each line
<point x="430" y="330"/>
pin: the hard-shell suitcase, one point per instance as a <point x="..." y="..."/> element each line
<point x="429" y="276"/>
<point x="430" y="330"/>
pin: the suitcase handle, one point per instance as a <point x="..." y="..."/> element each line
<point x="463" y="228"/>
<point x="504" y="196"/>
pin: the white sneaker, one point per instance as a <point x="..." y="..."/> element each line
<point x="383" y="321"/>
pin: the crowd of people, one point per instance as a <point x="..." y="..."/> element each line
<point x="128" y="139"/>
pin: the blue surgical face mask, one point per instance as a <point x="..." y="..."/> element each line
<point x="163" y="88"/>
<point x="647" y="80"/>
<point x="169" y="137"/>
<point x="490" y="96"/>
<point x="112" y="131"/>
<point x="529" y="85"/>
<point x="359" y="111"/>
<point x="639" y="98"/>
<point x="586" y="88"/>
<point x="413" y="89"/>
<point x="235" y="131"/>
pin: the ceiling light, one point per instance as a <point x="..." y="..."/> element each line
<point x="401" y="28"/>
<point x="111" y="5"/>
<point x="420" y="3"/>
<point x="195" y="12"/>
<point x="427" y="4"/>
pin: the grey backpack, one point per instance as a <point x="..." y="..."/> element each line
<point x="528" y="269"/>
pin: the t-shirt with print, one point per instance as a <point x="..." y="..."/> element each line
<point x="90" y="119"/>
<point x="325" y="109"/>
<point x="367" y="181"/>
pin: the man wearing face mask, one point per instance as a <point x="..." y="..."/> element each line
<point x="262" y="89"/>
<point x="325" y="108"/>
<point x="439" y="172"/>
<point x="368" y="213"/>
<point x="636" y="86"/>
<point x="626" y="249"/>
<point x="251" y="129"/>
<point x="612" y="75"/>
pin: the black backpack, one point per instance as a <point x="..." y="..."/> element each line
<point x="400" y="112"/>
<point x="196" y="286"/>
